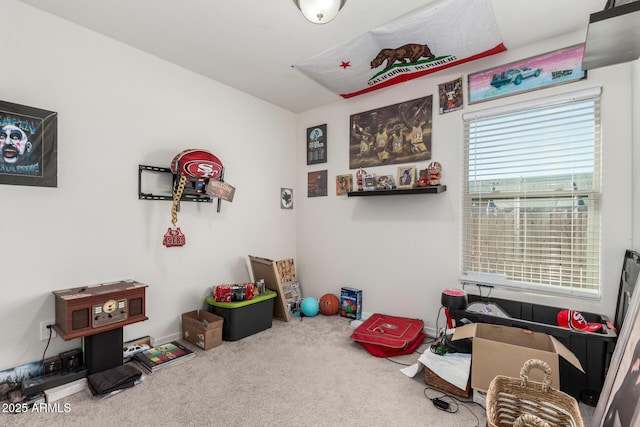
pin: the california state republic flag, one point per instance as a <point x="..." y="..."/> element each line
<point x="444" y="34"/>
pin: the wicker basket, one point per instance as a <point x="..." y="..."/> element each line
<point x="433" y="380"/>
<point x="508" y="398"/>
<point x="529" y="420"/>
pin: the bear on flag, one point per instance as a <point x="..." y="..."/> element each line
<point x="444" y="34"/>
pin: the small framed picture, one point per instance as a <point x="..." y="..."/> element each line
<point x="370" y="182"/>
<point x="386" y="182"/>
<point x="317" y="144"/>
<point x="406" y="176"/>
<point x="286" y="198"/>
<point x="344" y="184"/>
<point x="450" y="94"/>
<point x="317" y="183"/>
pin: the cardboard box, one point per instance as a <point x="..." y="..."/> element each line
<point x="351" y="303"/>
<point x="202" y="328"/>
<point x="503" y="350"/>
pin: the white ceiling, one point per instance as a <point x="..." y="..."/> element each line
<point x="251" y="45"/>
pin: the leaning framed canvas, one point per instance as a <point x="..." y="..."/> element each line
<point x="28" y="145"/>
<point x="550" y="69"/>
<point x="619" y="401"/>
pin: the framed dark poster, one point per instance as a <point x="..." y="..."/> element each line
<point x="317" y="144"/>
<point x="395" y="134"/>
<point x="317" y="184"/>
<point x="28" y="146"/>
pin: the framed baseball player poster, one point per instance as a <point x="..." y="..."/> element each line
<point x="28" y="145"/>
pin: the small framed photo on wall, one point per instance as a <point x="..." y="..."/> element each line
<point x="317" y="184"/>
<point x="317" y="144"/>
<point x="286" y="198"/>
<point x="450" y="96"/>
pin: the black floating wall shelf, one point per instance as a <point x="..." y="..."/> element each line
<point x="414" y="190"/>
<point x="189" y="195"/>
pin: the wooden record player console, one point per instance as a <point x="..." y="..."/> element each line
<point x="89" y="310"/>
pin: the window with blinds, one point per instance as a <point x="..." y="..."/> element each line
<point x="531" y="208"/>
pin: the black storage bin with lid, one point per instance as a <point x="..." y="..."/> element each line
<point x="244" y="318"/>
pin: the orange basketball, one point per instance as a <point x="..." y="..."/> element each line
<point x="329" y="304"/>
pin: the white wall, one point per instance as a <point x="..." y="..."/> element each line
<point x="119" y="108"/>
<point x="403" y="251"/>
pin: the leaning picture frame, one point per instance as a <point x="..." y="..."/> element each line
<point x="406" y="176"/>
<point x="344" y="184"/>
<point x="537" y="72"/>
<point x="619" y="401"/>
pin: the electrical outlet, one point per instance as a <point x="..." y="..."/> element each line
<point x="44" y="331"/>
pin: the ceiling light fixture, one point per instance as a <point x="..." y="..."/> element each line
<point x="320" y="11"/>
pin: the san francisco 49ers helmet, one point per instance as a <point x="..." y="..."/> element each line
<point x="195" y="164"/>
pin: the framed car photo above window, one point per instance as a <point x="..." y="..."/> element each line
<point x="550" y="69"/>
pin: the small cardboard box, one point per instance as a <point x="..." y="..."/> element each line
<point x="503" y="350"/>
<point x="351" y="303"/>
<point x="202" y="328"/>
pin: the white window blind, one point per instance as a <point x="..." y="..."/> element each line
<point x="531" y="208"/>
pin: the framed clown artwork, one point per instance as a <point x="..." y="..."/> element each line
<point x="28" y="145"/>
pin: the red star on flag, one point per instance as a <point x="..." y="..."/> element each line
<point x="346" y="64"/>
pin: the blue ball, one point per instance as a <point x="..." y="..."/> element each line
<point x="309" y="306"/>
